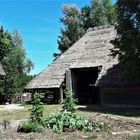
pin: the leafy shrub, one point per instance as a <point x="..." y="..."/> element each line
<point x="29" y="127"/>
<point x="68" y="121"/>
<point x="69" y="101"/>
<point x="36" y="114"/>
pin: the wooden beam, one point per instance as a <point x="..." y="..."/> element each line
<point x="68" y="79"/>
<point x="61" y="95"/>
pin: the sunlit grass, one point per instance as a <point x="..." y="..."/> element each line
<point x="14" y="114"/>
<point x="24" y="113"/>
<point x="48" y="109"/>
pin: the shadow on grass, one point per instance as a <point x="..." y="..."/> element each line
<point x="122" y="111"/>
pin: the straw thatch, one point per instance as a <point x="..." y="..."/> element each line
<point x="92" y="50"/>
<point x="2" y="73"/>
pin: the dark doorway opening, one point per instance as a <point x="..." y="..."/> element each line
<point x="51" y="96"/>
<point x="83" y="84"/>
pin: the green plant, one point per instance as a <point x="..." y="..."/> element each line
<point x="137" y="137"/>
<point x="69" y="101"/>
<point x="29" y="127"/>
<point x="36" y="114"/>
<point x="68" y="121"/>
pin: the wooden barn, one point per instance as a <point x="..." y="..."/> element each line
<point x="87" y="67"/>
<point x="2" y="73"/>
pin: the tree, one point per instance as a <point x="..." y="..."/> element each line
<point x="17" y="39"/>
<point x="76" y="22"/>
<point x="5" y="43"/>
<point x="24" y="65"/>
<point x="127" y="42"/>
<point x="72" y="30"/>
<point x="110" y="12"/>
<point x="15" y="66"/>
<point x="100" y="12"/>
<point x="86" y="17"/>
<point x="14" y="62"/>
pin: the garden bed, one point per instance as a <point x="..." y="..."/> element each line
<point x="123" y="129"/>
<point x="125" y="122"/>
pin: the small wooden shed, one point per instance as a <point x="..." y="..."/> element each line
<point x="94" y="76"/>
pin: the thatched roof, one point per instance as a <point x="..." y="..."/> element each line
<point x="92" y="50"/>
<point x="2" y="73"/>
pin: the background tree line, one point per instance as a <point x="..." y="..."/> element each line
<point x="14" y="61"/>
<point x="76" y="21"/>
<point x="127" y="43"/>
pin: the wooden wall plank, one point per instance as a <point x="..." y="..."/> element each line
<point x="120" y="96"/>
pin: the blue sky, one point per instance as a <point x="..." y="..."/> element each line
<point x="38" y="23"/>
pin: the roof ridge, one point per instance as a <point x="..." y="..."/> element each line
<point x="99" y="27"/>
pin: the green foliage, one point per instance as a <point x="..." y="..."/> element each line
<point x="6" y="43"/>
<point x="86" y="21"/>
<point x="69" y="101"/>
<point x="73" y="30"/>
<point x="99" y="12"/>
<point x="1" y="86"/>
<point x="137" y="137"/>
<point x="29" y="127"/>
<point x="14" y="62"/>
<point x="36" y="114"/>
<point x="127" y="42"/>
<point x="68" y="121"/>
<point x="77" y="21"/>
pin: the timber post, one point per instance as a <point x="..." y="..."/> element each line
<point x="60" y="95"/>
<point x="68" y="79"/>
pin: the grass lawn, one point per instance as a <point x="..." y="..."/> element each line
<point x="24" y="113"/>
<point x="120" y="124"/>
<point x="88" y="111"/>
